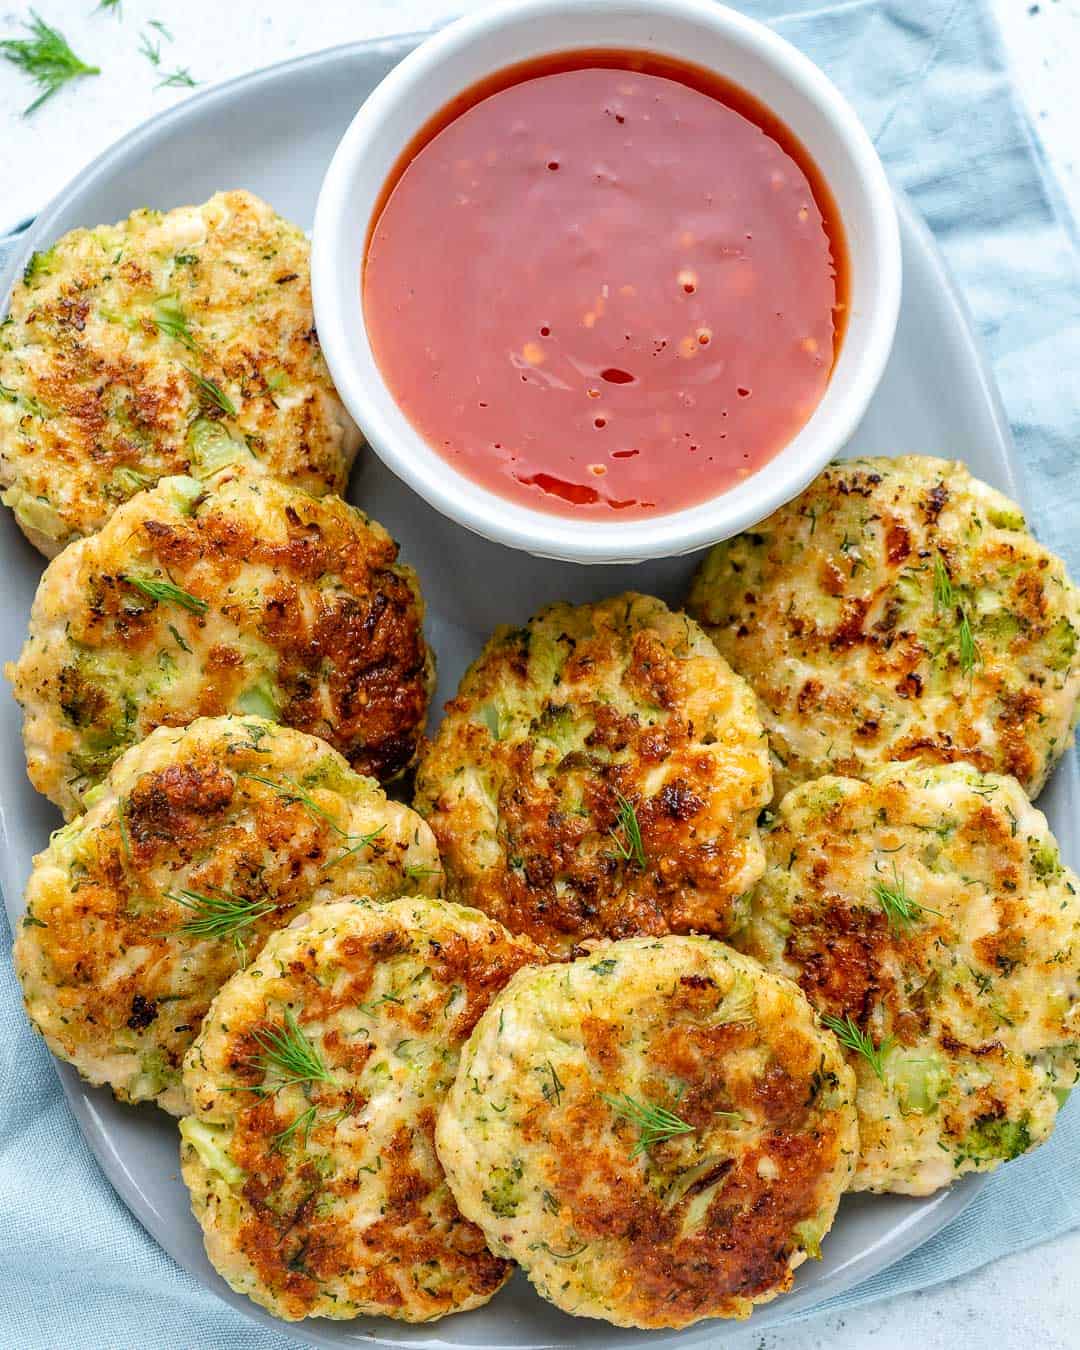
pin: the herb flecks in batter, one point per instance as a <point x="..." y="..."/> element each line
<point x="553" y="1086"/>
<point x="653" y="1123"/>
<point x="852" y="1037"/>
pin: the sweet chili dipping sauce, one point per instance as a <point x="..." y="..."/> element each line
<point x="606" y="282"/>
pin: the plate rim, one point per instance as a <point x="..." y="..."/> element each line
<point x="945" y="1206"/>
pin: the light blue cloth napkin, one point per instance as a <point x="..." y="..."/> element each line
<point x="929" y="78"/>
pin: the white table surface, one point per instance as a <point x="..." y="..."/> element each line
<point x="1026" y="1301"/>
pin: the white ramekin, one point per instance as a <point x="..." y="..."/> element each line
<point x="709" y="35"/>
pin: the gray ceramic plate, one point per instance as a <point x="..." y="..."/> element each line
<point x="274" y="132"/>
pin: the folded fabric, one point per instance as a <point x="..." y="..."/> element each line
<point x="931" y="83"/>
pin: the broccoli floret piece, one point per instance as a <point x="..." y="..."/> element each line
<point x="998" y="1137"/>
<point x="502" y="1196"/>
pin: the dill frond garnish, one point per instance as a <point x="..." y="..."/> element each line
<point x="166" y="592"/>
<point x="301" y="1125"/>
<point x="111" y="7"/>
<point x="178" y="79"/>
<point x="287" y="1057"/>
<point x="944" y="596"/>
<point x="162" y="29"/>
<point x="970" y="656"/>
<point x="171" y="320"/>
<point x="289" y="791"/>
<point x="629" y="842"/>
<point x="363" y="841"/>
<point x="220" y="916"/>
<point x="46" y="58"/>
<point x="945" y="599"/>
<point x="151" y="50"/>
<point x="852" y="1037"/>
<point x="654" y="1123"/>
<point x="414" y="871"/>
<point x="212" y="393"/>
<point x="901" y="909"/>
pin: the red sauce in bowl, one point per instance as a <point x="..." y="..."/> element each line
<point x="606" y="283"/>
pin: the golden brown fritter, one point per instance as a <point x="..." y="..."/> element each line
<point x="929" y="906"/>
<point x="240" y="595"/>
<point x="599" y="774"/>
<point x="310" y="1155"/>
<point x="201" y="843"/>
<point x="898" y="610"/>
<point x="659" y="1132"/>
<point x="169" y="344"/>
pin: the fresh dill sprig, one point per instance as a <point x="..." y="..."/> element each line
<point x="301" y="1125"/>
<point x="945" y="599"/>
<point x="220" y="916"/>
<point x="287" y="1057"/>
<point x="171" y="320"/>
<point x="289" y="791"/>
<point x="363" y="841"/>
<point x="629" y="843"/>
<point x="162" y="29"/>
<point x="414" y="871"/>
<point x="151" y="50"/>
<point x="944" y="596"/>
<point x="181" y="78"/>
<point x="970" y="656"/>
<point x="212" y="392"/>
<point x="46" y="58"/>
<point x="852" y="1037"/>
<point x="901" y="909"/>
<point x="654" y="1123"/>
<point x="166" y="591"/>
<point x="111" y="7"/>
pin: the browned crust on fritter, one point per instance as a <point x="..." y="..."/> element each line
<point x="705" y="1220"/>
<point x="930" y="907"/>
<point x="560" y="874"/>
<point x="834" y="609"/>
<point x="106" y="944"/>
<point x="99" y="386"/>
<point x="290" y="1233"/>
<point x="303" y="598"/>
<point x="744" y="1249"/>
